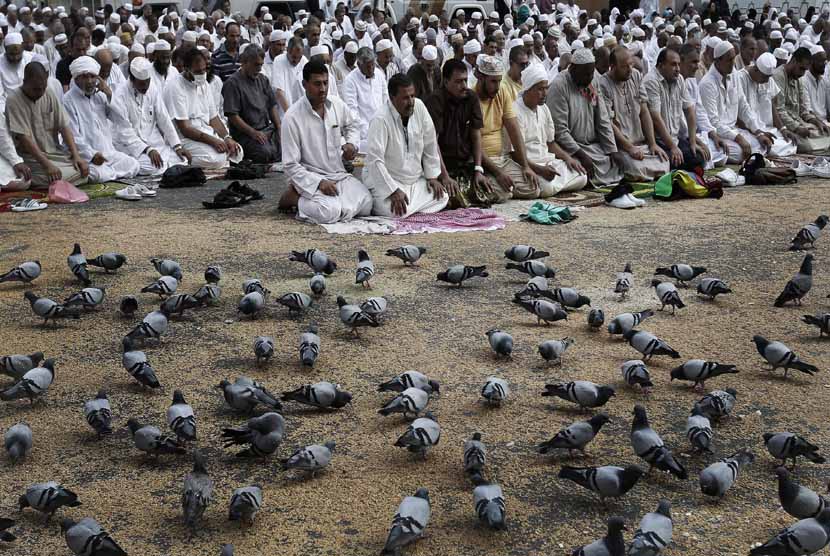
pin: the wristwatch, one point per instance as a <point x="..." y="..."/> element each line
<point x="479" y="169"/>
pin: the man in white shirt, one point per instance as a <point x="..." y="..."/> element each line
<point x="276" y="46"/>
<point x="706" y="135"/>
<point x="286" y="72"/>
<point x="163" y="71"/>
<point x="318" y="132"/>
<point x="364" y="92"/>
<point x="345" y="64"/>
<point x="112" y="78"/>
<point x="817" y="85"/>
<point x="12" y="63"/>
<point x="92" y="121"/>
<point x="408" y="38"/>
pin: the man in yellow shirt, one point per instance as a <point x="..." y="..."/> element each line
<point x="512" y="82"/>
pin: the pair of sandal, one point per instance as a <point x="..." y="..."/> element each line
<point x="235" y="195"/>
<point x="26" y="205"/>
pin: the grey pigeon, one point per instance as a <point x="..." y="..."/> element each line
<point x="809" y="234"/>
<point x="608" y="481"/>
<point x="547" y="311"/>
<point x="317" y="285"/>
<point x="365" y="269"/>
<point x="263" y="434"/>
<point x="457" y="274"/>
<point x="181" y="419"/>
<point x="88" y="538"/>
<point x="820" y="321"/>
<point x="635" y="373"/>
<point x="263" y="349"/>
<point x="33" y="385"/>
<point x="788" y="445"/>
<point x="475" y="455"/>
<point x="799" y="285"/>
<point x="128" y="306"/>
<point x="649" y="345"/>
<point x="213" y="274"/>
<point x="568" y="297"/>
<point x="681" y="272"/>
<point x="321" y="394"/>
<point x="488" y="501"/>
<point x="6" y="536"/>
<point x="713" y="287"/>
<point x="411" y="401"/>
<point x="778" y="355"/>
<point x="309" y="345"/>
<point x="699" y="430"/>
<point x="699" y="371"/>
<point x="179" y="303"/>
<point x="198" y="491"/>
<point x="311" y="458"/>
<point x="797" y="500"/>
<point x="98" y="414"/>
<point x="718" y="403"/>
<point x="495" y="390"/>
<point x="808" y="536"/>
<point x="88" y="298"/>
<point x="108" y="261"/>
<point x="297" y="302"/>
<point x="581" y="392"/>
<point x="16" y="366"/>
<point x="532" y="268"/>
<point x="410" y="379"/>
<point x="623" y="281"/>
<point x="576" y="436"/>
<point x="167" y="267"/>
<point x="719" y="477"/>
<point x="375" y="306"/>
<point x="227" y="550"/>
<point x="596" y="318"/>
<point x="47" y="498"/>
<point x="627" y="321"/>
<point x="668" y="295"/>
<point x="24" y="272"/>
<point x="17" y="441"/>
<point x="421" y="435"/>
<point x="208" y="294"/>
<point x="77" y="265"/>
<point x="152" y="327"/>
<point x="150" y="440"/>
<point x="136" y="364"/>
<point x="534" y="287"/>
<point x="553" y="350"/>
<point x="612" y="544"/>
<point x="255" y="285"/>
<point x="500" y="342"/>
<point x="316" y="259"/>
<point x="654" y="533"/>
<point x="522" y="253"/>
<point x="245" y="394"/>
<point x="48" y="309"/>
<point x="354" y="317"/>
<point x="245" y="503"/>
<point x="251" y="304"/>
<point x="650" y="447"/>
<point x="409" y="522"/>
<point x="409" y="254"/>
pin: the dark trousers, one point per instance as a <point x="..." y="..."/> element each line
<point x="691" y="159"/>
<point x="257" y="152"/>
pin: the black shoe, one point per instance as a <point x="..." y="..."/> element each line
<point x="249" y="193"/>
<point x="225" y="199"/>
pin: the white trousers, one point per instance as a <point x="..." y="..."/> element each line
<point x="206" y="157"/>
<point x="718" y="157"/>
<point x="566" y="179"/>
<point x="168" y="158"/>
<point x="420" y="200"/>
<point x="734" y="154"/>
<point x="352" y="199"/>
<point x="117" y="166"/>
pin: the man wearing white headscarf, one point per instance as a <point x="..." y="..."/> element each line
<point x="12" y="63"/>
<point x="92" y="121"/>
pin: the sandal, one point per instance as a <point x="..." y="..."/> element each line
<point x="26" y="205"/>
<point x="249" y="193"/>
<point x="129" y="193"/>
<point x="225" y="199"/>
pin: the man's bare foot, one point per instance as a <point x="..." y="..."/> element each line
<point x="289" y="199"/>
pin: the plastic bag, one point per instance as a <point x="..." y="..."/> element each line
<point x="64" y="192"/>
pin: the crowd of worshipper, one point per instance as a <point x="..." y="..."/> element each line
<point x="373" y="116"/>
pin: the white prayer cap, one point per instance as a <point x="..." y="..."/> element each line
<point x="383" y="27"/>
<point x="99" y="28"/>
<point x="98" y="13"/>
<point x="268" y="17"/>
<point x="421" y="36"/>
<point x="681" y="23"/>
<point x="669" y="28"/>
<point x="711" y="42"/>
<point x="433" y="18"/>
<point x="161" y="46"/>
<point x="27" y="9"/>
<point x="60" y="9"/>
<point x="413" y="23"/>
<point x="201" y="15"/>
<point x="792" y="35"/>
<point x="775" y="26"/>
<point x="140" y="68"/>
<point x="61" y="39"/>
<point x="317" y="50"/>
<point x="83" y="65"/>
<point x="115" y="18"/>
<point x="533" y="74"/>
<point x="776" y="35"/>
<point x="789" y="47"/>
<point x="151" y="48"/>
<point x="781" y="54"/>
<point x="114" y="39"/>
<point x="361" y="26"/>
<point x="564" y="48"/>
<point x="46" y="10"/>
<point x="190" y="36"/>
<point x="163" y="30"/>
<point x="265" y="9"/>
<point x="766" y="63"/>
<point x="190" y="16"/>
<point x="610" y="41"/>
<point x="530" y="22"/>
<point x="721" y="25"/>
<point x="749" y="25"/>
<point x="527" y="39"/>
<point x="597" y="33"/>
<point x="336" y="35"/>
<point x="723" y="48"/>
<point x="693" y="27"/>
<point x="472" y="47"/>
<point x="351" y="47"/>
<point x="430" y="53"/>
<point x="582" y="56"/>
<point x="476" y="15"/>
<point x="204" y="33"/>
<point x="12" y="8"/>
<point x="278" y="35"/>
<point x="592" y="21"/>
<point x="499" y="34"/>
<point x="555" y="32"/>
<point x="383" y="44"/>
<point x="635" y="46"/>
<point x="638" y="13"/>
<point x="173" y="15"/>
<point x="733" y="35"/>
<point x="816" y="49"/>
<point x="658" y="21"/>
<point x="637" y="32"/>
<point x="13" y="39"/>
<point x="542" y="17"/>
<point x="577" y="44"/>
<point x="490" y="65"/>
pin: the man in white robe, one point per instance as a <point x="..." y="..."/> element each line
<point x="286" y="73"/>
<point x="364" y="92"/>
<point x="706" y="134"/>
<point x="15" y="174"/>
<point x="12" y="63"/>
<point x="163" y="70"/>
<point x="104" y="57"/>
<point x="92" y="122"/>
<point x="816" y="84"/>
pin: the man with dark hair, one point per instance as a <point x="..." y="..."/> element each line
<point x="79" y="44"/>
<point x="226" y="58"/>
<point x="793" y="105"/>
<point x="709" y="145"/>
<point x="747" y="52"/>
<point x="163" y="70"/>
<point x="511" y="84"/>
<point x="403" y="165"/>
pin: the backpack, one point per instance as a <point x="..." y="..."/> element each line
<point x="182" y="176"/>
<point x="756" y="172"/>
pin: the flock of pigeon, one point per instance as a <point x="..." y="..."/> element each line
<point x="262" y="434"/>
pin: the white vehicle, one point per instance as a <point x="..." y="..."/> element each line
<point x="395" y="9"/>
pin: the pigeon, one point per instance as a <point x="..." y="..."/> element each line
<point x="409" y="254"/>
<point x="311" y="458"/>
<point x="410" y="379"/>
<point x="77" y="265"/>
<point x="807" y="536"/>
<point x="255" y="285"/>
<point x="309" y="345"/>
<point x="612" y="544"/>
<point x="108" y="261"/>
<point x="245" y="394"/>
<point x="458" y="273"/>
<point x="263" y="433"/>
<point x="788" y="445"/>
<point x="654" y="533"/>
<point x="47" y="498"/>
<point x="297" y="302"/>
<point x="547" y="311"/>
<point x="820" y="321"/>
<point x="98" y="414"/>
<point x="213" y="274"/>
<point x="411" y="401"/>
<point x="581" y="392"/>
<point x="596" y="318"/>
<point x="316" y="259"/>
<point x="650" y="447"/>
<point x="649" y="345"/>
<point x="522" y="253"/>
<point x="48" y="309"/>
<point x="553" y="350"/>
<point x="320" y="394"/>
<point x="495" y="390"/>
<point x="87" y="298"/>
<point x="608" y="481"/>
<point x="128" y="306"/>
<point x="718" y="403"/>
<point x="421" y="435"/>
<point x="16" y="366"/>
<point x="24" y="272"/>
<point x="181" y="419"/>
<point x="534" y="287"/>
<point x="488" y="501"/>
<point x="18" y="441"/>
<point x="87" y="538"/>
<point x="167" y="267"/>
<point x="576" y="436"/>
<point x="5" y="536"/>
<point x="568" y="297"/>
<point x="636" y="375"/>
<point x="500" y="342"/>
<point x="622" y="284"/>
<point x="32" y="385"/>
<point x="712" y="288"/>
<point x="798" y="501"/>
<point x="208" y="294"/>
<point x="475" y="455"/>
<point x="263" y="349"/>
<point x="375" y="306"/>
<point x="627" y="321"/>
<point x="163" y="287"/>
<point x="251" y="304"/>
<point x="532" y="268"/>
<point x="137" y="365"/>
<point x="152" y="327"/>
<point x="719" y="477"/>
<point x="198" y="491"/>
<point x="409" y="522"/>
<point x="699" y="430"/>
<point x="227" y="550"/>
<point x="365" y="269"/>
<point x="179" y="303"/>
<point x="354" y="317"/>
<point x="799" y="285"/>
<point x="668" y="295"/>
<point x="779" y="355"/>
<point x="317" y="285"/>
<point x="809" y="234"/>
<point x="150" y="440"/>
<point x="681" y="272"/>
<point x="699" y="371"/>
<point x="245" y="503"/>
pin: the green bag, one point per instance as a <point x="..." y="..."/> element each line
<point x="546" y="213"/>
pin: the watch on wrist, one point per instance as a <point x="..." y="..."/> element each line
<point x="479" y="169"/>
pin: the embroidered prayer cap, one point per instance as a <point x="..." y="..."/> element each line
<point x="583" y="56"/>
<point x="383" y="44"/>
<point x="13" y="39"/>
<point x="472" y="47"/>
<point x="490" y="65"/>
<point x="429" y="53"/>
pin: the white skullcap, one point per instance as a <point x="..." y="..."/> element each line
<point x="494" y="15"/>
<point x="82" y="65"/>
<point x="115" y="18"/>
<point x="472" y="47"/>
<point x="669" y="28"/>
<point x="775" y="26"/>
<point x="383" y="27"/>
<point x="190" y="36"/>
<point x="137" y="48"/>
<point x="191" y="16"/>
<point x="721" y="25"/>
<point x="421" y="36"/>
<point x="99" y="28"/>
<point x="413" y="23"/>
<point x="658" y="21"/>
<point x="46" y="11"/>
<point x="543" y="17"/>
<point x="789" y="47"/>
<point x="555" y="32"/>
<point x="430" y="53"/>
<point x="533" y="74"/>
<point x="336" y="35"/>
<point x="12" y="8"/>
<point x="98" y="13"/>
<point x="265" y="9"/>
<point x="577" y="44"/>
<point x="500" y="34"/>
<point x="173" y="15"/>
<point x="776" y="35"/>
<point x="433" y="18"/>
<point x="383" y="44"/>
<point x="27" y="9"/>
<point x="792" y="35"/>
<point x="360" y="25"/>
<point x="781" y="54"/>
<point x="61" y="39"/>
<point x="723" y="48"/>
<point x="582" y="56"/>
<point x="638" y="13"/>
<point x="140" y="68"/>
<point x="268" y="17"/>
<point x="527" y="39"/>
<point x="150" y="48"/>
<point x="351" y="47"/>
<point x="277" y="35"/>
<point x="161" y="46"/>
<point x="13" y="39"/>
<point x="202" y="15"/>
<point x="530" y="22"/>
<point x="693" y="27"/>
<point x="597" y="33"/>
<point x="749" y="25"/>
<point x="163" y="30"/>
<point x="476" y="15"/>
<point x="564" y="48"/>
<point x="490" y="65"/>
<point x="635" y="47"/>
<point x="592" y="21"/>
<point x="513" y="43"/>
<point x="816" y="49"/>
<point x="114" y="40"/>
<point x="766" y="63"/>
<point x="317" y="50"/>
<point x="204" y="33"/>
<point x="638" y="32"/>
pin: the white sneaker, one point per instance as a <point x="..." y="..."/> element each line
<point x="728" y="177"/>
<point x="820" y="168"/>
<point x="633" y="198"/>
<point x="801" y="168"/>
<point x="129" y="193"/>
<point x="144" y="191"/>
<point x="623" y="202"/>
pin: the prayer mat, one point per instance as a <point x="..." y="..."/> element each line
<point x="459" y="220"/>
<point x="101" y="190"/>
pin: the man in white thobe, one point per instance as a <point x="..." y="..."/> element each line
<point x="92" y="122"/>
<point x="113" y="79"/>
<point x="12" y="63"/>
<point x="364" y="91"/>
<point x="163" y="70"/>
<point x="286" y="73"/>
<point x="706" y="134"/>
<point x="816" y="84"/>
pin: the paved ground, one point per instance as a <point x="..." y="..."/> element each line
<point x="440" y="331"/>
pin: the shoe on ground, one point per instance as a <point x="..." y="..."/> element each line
<point x="728" y="177"/>
<point x="801" y="168"/>
<point x="129" y="193"/>
<point x="144" y="191"/>
<point x="249" y="193"/>
<point x="820" y="168"/>
<point x="623" y="202"/>
<point x="633" y="198"/>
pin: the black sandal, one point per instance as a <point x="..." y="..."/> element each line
<point x="248" y="192"/>
<point x="225" y="199"/>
